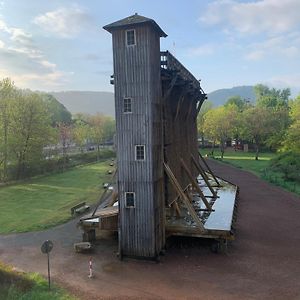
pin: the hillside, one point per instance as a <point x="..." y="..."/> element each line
<point x="219" y="97"/>
<point x="87" y="102"/>
<point x="103" y="102"/>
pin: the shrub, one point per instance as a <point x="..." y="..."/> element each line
<point x="287" y="163"/>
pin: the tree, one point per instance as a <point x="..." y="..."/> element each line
<point x="57" y="111"/>
<point x="257" y="126"/>
<point x="7" y="92"/>
<point x="102" y="128"/>
<point x="271" y="98"/>
<point x="80" y="133"/>
<point x="206" y="106"/>
<point x="220" y="124"/>
<point x="292" y="138"/>
<point x="64" y="133"/>
<point x="238" y="101"/>
<point x="30" y="129"/>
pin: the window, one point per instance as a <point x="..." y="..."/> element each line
<point x="140" y="152"/>
<point x="130" y="37"/>
<point x="127" y="105"/>
<point x="129" y="199"/>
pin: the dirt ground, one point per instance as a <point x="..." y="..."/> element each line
<point x="262" y="263"/>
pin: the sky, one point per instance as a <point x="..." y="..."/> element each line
<point x="60" y="45"/>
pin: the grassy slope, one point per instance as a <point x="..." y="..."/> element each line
<point x="246" y="161"/>
<point x="15" y="285"/>
<point x="46" y="201"/>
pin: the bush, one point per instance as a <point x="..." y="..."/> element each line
<point x="288" y="164"/>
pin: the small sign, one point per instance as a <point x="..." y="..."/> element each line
<point x="47" y="247"/>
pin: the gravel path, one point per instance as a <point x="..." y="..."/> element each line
<point x="262" y="263"/>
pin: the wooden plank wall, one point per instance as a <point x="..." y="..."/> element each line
<point x="180" y="134"/>
<point x="137" y="75"/>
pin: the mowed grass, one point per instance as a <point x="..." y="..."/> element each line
<point x="46" y="201"/>
<point x="244" y="160"/>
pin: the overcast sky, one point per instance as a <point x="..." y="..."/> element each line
<point x="60" y="45"/>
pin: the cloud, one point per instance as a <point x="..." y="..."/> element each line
<point x="63" y="22"/>
<point x="270" y="16"/>
<point x="283" y="46"/>
<point x="202" y="50"/>
<point x="23" y="61"/>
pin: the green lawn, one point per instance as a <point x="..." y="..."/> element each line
<point x="244" y="160"/>
<point x="15" y="285"/>
<point x="46" y="201"/>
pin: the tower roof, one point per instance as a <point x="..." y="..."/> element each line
<point x="130" y="21"/>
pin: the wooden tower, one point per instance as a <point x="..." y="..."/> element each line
<point x="138" y="103"/>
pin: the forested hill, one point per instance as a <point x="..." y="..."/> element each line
<point x="103" y="102"/>
<point x="87" y="102"/>
<point x="219" y="97"/>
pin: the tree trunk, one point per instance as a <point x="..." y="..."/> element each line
<point x="213" y="148"/>
<point x="98" y="152"/>
<point x="256" y="151"/>
<point x="222" y="150"/>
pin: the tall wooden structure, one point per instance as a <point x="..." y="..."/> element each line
<point x="138" y="103"/>
<point x="162" y="186"/>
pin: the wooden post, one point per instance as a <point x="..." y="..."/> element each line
<point x="204" y="176"/>
<point x="184" y="198"/>
<point x="195" y="184"/>
<point x="209" y="169"/>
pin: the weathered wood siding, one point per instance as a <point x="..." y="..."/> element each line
<point x="137" y="75"/>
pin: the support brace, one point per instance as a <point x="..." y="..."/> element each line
<point x="184" y="198"/>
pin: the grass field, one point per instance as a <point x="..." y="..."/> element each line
<point x="15" y="285"/>
<point x="246" y="161"/>
<point x="46" y="201"/>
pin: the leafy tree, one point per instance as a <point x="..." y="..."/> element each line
<point x="206" y="106"/>
<point x="257" y="126"/>
<point x="30" y="129"/>
<point x="57" y="111"/>
<point x="101" y="129"/>
<point x="238" y="101"/>
<point x="220" y="124"/>
<point x="272" y="98"/>
<point x="292" y="138"/>
<point x="64" y="133"/>
<point x="7" y="93"/>
<point x="80" y="133"/>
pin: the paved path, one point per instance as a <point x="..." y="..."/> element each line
<point x="263" y="262"/>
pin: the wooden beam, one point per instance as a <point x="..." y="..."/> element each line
<point x="172" y="84"/>
<point x="195" y="184"/>
<point x="184" y="198"/>
<point x="209" y="170"/>
<point x="204" y="176"/>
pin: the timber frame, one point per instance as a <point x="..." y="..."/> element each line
<point x="176" y="192"/>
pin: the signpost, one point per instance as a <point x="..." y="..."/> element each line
<point x="46" y="248"/>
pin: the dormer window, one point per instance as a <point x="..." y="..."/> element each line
<point x="130" y="37"/>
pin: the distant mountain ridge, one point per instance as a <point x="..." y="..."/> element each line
<point x="219" y="97"/>
<point x="87" y="102"/>
<point x="103" y="102"/>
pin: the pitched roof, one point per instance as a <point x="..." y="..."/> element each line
<point x="134" y="20"/>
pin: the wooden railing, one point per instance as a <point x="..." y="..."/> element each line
<point x="169" y="62"/>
